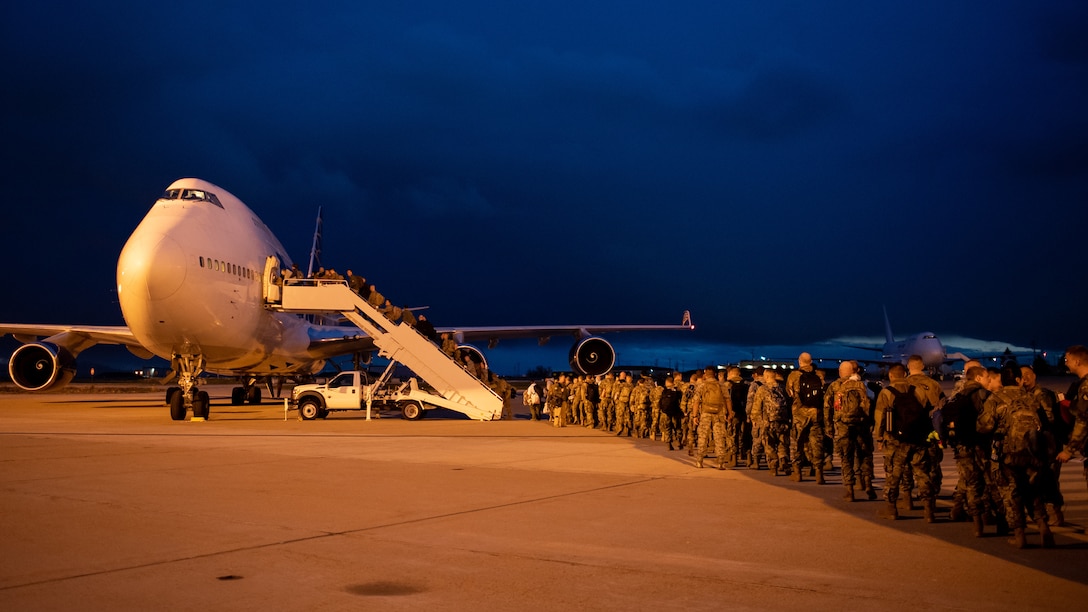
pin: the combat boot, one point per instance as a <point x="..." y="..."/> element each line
<point x="890" y="512"/>
<point x="753" y="463"/>
<point x="1044" y="531"/>
<point x="849" y="495"/>
<point x="929" y="508"/>
<point x="1059" y="517"/>
<point x="795" y="473"/>
<point x="957" y="514"/>
<point x="870" y="493"/>
<point x="721" y="465"/>
<point x="1018" y="539"/>
<point x="978" y="525"/>
<point x="670" y="446"/>
<point x="732" y="461"/>
<point x="699" y="462"/>
<point x="820" y="476"/>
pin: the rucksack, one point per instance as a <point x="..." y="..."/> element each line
<point x="713" y="398"/>
<point x="593" y="394"/>
<point x="1023" y="445"/>
<point x="776" y="410"/>
<point x="907" y="419"/>
<point x="959" y="418"/>
<point x="810" y="389"/>
<point x="847" y="404"/>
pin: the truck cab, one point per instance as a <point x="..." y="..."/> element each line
<point x="350" y="391"/>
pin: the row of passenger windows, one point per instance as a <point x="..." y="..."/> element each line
<point x="229" y="268"/>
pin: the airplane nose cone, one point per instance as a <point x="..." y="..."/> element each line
<point x="151" y="267"/>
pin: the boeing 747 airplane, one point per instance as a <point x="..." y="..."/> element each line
<point x="193" y="282"/>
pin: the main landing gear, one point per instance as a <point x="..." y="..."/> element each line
<point x="250" y="393"/>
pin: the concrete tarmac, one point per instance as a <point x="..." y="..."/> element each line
<point x="107" y="504"/>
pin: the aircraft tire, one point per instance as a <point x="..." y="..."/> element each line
<point x="201" y="403"/>
<point x="177" y="405"/>
<point x="237" y="396"/>
<point x="207" y="401"/>
<point x="170" y="392"/>
<point x="309" y="409"/>
<point x="412" y="410"/>
<point x="254" y="395"/>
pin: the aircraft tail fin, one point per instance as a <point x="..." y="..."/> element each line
<point x="315" y="250"/>
<point x="888" y="327"/>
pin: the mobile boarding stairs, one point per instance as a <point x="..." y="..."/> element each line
<point x="454" y="387"/>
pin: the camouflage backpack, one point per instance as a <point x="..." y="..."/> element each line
<point x="1023" y="444"/>
<point x="776" y="410"/>
<point x="847" y="403"/>
<point x="713" y="399"/>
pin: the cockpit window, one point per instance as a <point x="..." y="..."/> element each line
<point x="197" y="195"/>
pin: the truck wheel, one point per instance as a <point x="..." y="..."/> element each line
<point x="309" y="409"/>
<point x="413" y="411"/>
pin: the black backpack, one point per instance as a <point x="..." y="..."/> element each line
<point x="907" y="420"/>
<point x="593" y="394"/>
<point x="810" y="390"/>
<point x="959" y="417"/>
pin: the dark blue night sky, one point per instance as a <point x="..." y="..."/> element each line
<point x="782" y="169"/>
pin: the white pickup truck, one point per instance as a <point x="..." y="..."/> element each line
<point x="349" y="390"/>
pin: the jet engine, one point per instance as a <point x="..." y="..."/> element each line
<point x="41" y="365"/>
<point x="593" y="356"/>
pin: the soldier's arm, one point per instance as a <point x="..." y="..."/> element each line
<point x="878" y="415"/>
<point x="987" y="418"/>
<point x="1078" y="407"/>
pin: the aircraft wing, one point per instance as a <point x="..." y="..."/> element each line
<point x="544" y="332"/>
<point x="332" y="341"/>
<point x="76" y="338"/>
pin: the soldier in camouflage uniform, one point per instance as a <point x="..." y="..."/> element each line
<point x="671" y="414"/>
<point x="807" y="433"/>
<point x="1076" y="402"/>
<point x="577" y="399"/>
<point x="621" y="397"/>
<point x="1056" y="427"/>
<point x="772" y="404"/>
<point x="689" y="418"/>
<point x="606" y="412"/>
<point x="1022" y="469"/>
<point x="847" y="409"/>
<point x="558" y="401"/>
<point x="711" y="403"/>
<point x="655" y="410"/>
<point x="755" y="422"/>
<point x="737" y="418"/>
<point x="934" y="398"/>
<point x="639" y="406"/>
<point x="971" y="448"/>
<point x="902" y="456"/>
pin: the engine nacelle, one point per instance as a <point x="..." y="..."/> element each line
<point x="41" y="365"/>
<point x="593" y="356"/>
<point x="473" y="353"/>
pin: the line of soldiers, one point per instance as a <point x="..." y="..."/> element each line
<point x="1009" y="435"/>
